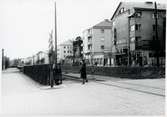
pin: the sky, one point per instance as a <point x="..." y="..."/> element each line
<point x="25" y="24"/>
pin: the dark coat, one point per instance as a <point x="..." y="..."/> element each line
<point x="55" y="73"/>
<point x="83" y="71"/>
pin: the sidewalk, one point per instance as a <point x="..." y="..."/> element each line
<point x="149" y="86"/>
<point x="94" y="77"/>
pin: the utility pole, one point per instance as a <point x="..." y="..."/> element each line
<point x="156" y="34"/>
<point x="3" y="60"/>
<point x="55" y="37"/>
<point x="129" y="41"/>
<point x="51" y="58"/>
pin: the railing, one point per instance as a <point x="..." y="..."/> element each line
<point x="123" y="72"/>
<point x="39" y="73"/>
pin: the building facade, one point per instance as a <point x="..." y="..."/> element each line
<point x="64" y="51"/>
<point x="97" y="43"/>
<point x="134" y="34"/>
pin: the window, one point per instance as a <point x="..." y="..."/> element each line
<point x="102" y="39"/>
<point x="89" y="47"/>
<point x="113" y="23"/>
<point x="89" y="30"/>
<point x="132" y="28"/>
<point x="115" y="36"/>
<point x="102" y="47"/>
<point x="132" y="39"/>
<point x="121" y="41"/>
<point x="102" y="30"/>
<point x="125" y="50"/>
<point x="138" y="39"/>
<point x="149" y="2"/>
<point x="115" y="33"/>
<point x="121" y="10"/>
<point x="153" y="16"/>
<point x="138" y="14"/>
<point x="153" y="37"/>
<point x="68" y="52"/>
<point x="154" y="27"/>
<point x="89" y="38"/>
<point x="64" y="51"/>
<point x="64" y="47"/>
<point x="138" y="27"/>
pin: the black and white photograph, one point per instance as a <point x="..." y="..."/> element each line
<point x="82" y="57"/>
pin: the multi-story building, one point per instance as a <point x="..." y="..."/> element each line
<point x="64" y="51"/>
<point x="29" y="61"/>
<point x="40" y="58"/>
<point x="97" y="43"/>
<point x="134" y="33"/>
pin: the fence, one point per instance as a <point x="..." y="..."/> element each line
<point x="39" y="73"/>
<point x="123" y="72"/>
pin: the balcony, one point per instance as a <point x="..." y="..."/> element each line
<point x="89" y="35"/>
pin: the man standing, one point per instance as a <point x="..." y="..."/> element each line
<point x="83" y="72"/>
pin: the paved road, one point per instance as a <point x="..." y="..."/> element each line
<point x="21" y="95"/>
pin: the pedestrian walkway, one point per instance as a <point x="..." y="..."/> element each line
<point x="95" y="77"/>
<point x="21" y="95"/>
<point x="150" y="86"/>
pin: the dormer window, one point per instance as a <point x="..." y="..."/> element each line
<point x="138" y="14"/>
<point x="121" y="10"/>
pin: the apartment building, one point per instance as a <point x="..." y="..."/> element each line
<point x="64" y="51"/>
<point x="97" y="43"/>
<point x="134" y="34"/>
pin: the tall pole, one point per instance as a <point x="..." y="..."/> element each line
<point x="55" y="36"/>
<point x="128" y="41"/>
<point x="156" y="34"/>
<point x="51" y="58"/>
<point x="3" y="63"/>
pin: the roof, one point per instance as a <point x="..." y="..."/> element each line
<point x="68" y="42"/>
<point x="104" y="24"/>
<point x="140" y="5"/>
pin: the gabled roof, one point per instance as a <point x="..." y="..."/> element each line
<point x="68" y="42"/>
<point x="140" y="5"/>
<point x="104" y="24"/>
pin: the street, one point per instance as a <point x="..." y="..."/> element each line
<point x="114" y="96"/>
